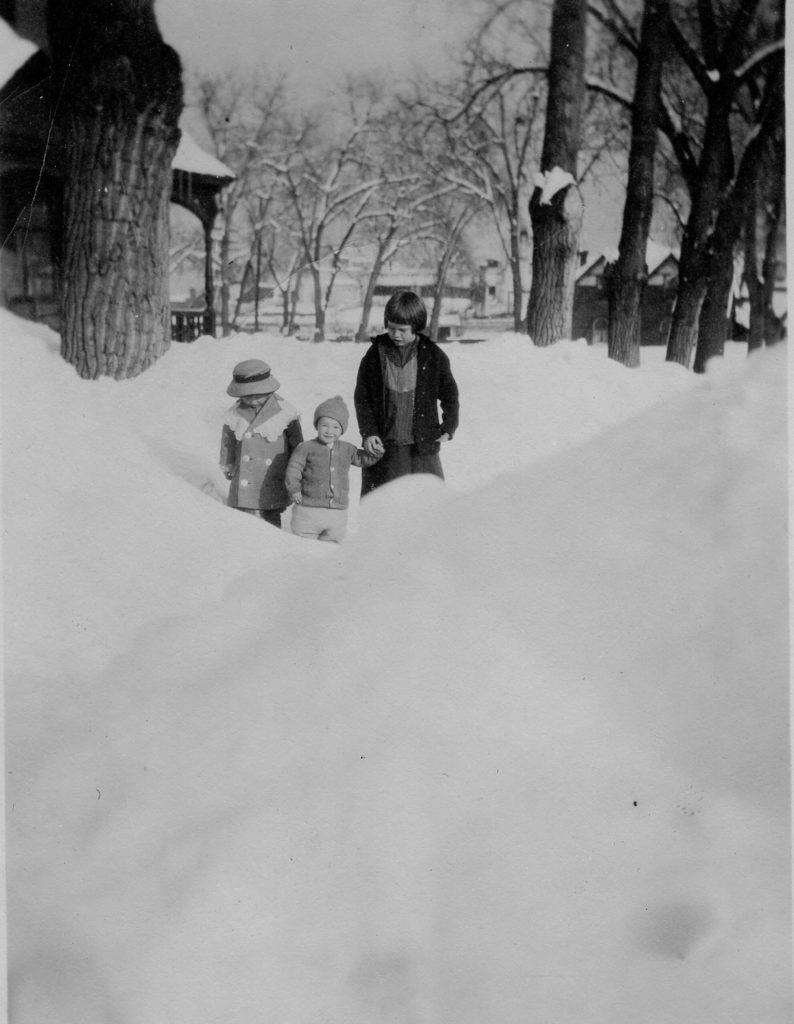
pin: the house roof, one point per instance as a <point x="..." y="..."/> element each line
<point x="655" y="256"/>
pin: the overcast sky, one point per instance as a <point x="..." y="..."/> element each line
<point x="317" y="41"/>
<point x="314" y="40"/>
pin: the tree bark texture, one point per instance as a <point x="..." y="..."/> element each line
<point x="121" y="91"/>
<point x="715" y="263"/>
<point x="763" y="217"/>
<point x="556" y="227"/>
<point x="556" y="224"/>
<point x="714" y="315"/>
<point x="708" y="192"/>
<point x="630" y="274"/>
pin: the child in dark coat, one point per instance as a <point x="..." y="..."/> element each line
<point x="260" y="432"/>
<point x="403" y="380"/>
<point x="318" y="475"/>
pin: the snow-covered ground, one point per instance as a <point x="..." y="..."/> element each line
<point x="516" y="751"/>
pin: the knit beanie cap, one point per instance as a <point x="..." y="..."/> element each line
<point x="335" y="408"/>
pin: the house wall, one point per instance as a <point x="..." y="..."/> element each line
<point x="591" y="312"/>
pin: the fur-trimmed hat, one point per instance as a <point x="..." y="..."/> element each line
<point x="336" y="409"/>
<point x="252" y="377"/>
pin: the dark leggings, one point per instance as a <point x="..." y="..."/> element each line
<point x="399" y="460"/>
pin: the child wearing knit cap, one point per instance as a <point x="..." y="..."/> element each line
<point x="318" y="475"/>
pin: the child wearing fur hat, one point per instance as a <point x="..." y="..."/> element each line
<point x="318" y="475"/>
<point x="260" y="433"/>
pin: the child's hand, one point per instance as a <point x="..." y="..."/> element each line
<point x="297" y="498"/>
<point x="445" y="437"/>
<point x="228" y="473"/>
<point x="374" y="446"/>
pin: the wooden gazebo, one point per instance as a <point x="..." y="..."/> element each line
<point x="197" y="180"/>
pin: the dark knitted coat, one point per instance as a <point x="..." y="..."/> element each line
<point x="435" y="386"/>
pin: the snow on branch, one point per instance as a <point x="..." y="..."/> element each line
<point x="758" y="57"/>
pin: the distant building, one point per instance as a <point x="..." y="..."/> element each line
<point x="493" y="295"/>
<point x="591" y="304"/>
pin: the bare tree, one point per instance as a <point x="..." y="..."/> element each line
<point x="719" y="105"/>
<point x="243" y="116"/>
<point x="763" y="223"/>
<point x="556" y="206"/>
<point x="327" y="177"/>
<point x="489" y="132"/>
<point x="398" y="220"/>
<point x="629" y="274"/>
<point x="456" y="216"/>
<point x="726" y="63"/>
<point x="722" y="246"/>
<point x="120" y="91"/>
<point x="274" y="255"/>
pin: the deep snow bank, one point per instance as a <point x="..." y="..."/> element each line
<point x="519" y="751"/>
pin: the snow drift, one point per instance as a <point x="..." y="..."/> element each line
<point x="517" y="750"/>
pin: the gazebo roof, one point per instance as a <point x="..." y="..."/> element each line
<point x="190" y="157"/>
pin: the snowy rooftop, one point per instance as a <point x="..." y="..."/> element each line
<point x="191" y="157"/>
<point x="655" y="255"/>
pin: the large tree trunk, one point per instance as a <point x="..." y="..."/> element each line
<point x="709" y="193"/>
<point x="630" y="273"/>
<point x="121" y="97"/>
<point x="713" y="323"/>
<point x="760" y="273"/>
<point x="692" y="267"/>
<point x="556" y="223"/>
<point x="707" y="266"/>
<point x="686" y="316"/>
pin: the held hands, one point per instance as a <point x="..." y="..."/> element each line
<point x="297" y="498"/>
<point x="373" y="445"/>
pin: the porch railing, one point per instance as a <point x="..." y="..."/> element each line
<point x="189" y="324"/>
